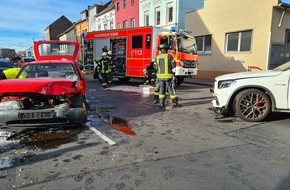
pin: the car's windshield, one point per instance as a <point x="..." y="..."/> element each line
<point x="56" y="49"/>
<point x="284" y="67"/>
<point x="186" y="44"/>
<point x="48" y="70"/>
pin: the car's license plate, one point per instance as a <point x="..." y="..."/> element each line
<point x="36" y="115"/>
<point x="5" y="134"/>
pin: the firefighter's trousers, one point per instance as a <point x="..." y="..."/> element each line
<point x="165" y="85"/>
<point x="106" y="79"/>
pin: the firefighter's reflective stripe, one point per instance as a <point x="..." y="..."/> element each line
<point x="164" y="67"/>
<point x="11" y="73"/>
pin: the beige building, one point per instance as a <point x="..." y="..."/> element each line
<point x="234" y="36"/>
<point x="81" y="27"/>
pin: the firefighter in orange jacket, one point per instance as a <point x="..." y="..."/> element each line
<point x="164" y="64"/>
<point x="105" y="69"/>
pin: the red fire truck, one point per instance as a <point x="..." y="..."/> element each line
<point x="133" y="49"/>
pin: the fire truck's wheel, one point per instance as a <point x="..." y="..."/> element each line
<point x="179" y="80"/>
<point x="124" y="79"/>
<point x="99" y="77"/>
<point x="96" y="74"/>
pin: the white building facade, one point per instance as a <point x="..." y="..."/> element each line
<point x="105" y="20"/>
<point x="166" y="13"/>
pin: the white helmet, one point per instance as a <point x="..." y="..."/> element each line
<point x="109" y="53"/>
<point x="104" y="53"/>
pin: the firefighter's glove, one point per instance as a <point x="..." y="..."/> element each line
<point x="174" y="82"/>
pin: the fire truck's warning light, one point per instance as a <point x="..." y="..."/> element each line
<point x="172" y="29"/>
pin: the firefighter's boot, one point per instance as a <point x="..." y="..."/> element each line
<point x="156" y="99"/>
<point x="175" y="103"/>
<point x="162" y="102"/>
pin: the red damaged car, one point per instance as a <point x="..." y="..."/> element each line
<point x="48" y="92"/>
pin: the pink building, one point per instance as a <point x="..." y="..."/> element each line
<point x="126" y="13"/>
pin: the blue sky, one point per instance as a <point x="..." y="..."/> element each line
<point x="22" y="21"/>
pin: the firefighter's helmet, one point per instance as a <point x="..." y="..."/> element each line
<point x="104" y="54"/>
<point x="164" y="46"/>
<point x="109" y="53"/>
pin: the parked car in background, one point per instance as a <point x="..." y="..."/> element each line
<point x="5" y="64"/>
<point x="253" y="95"/>
<point x="25" y="60"/>
<point x="48" y="92"/>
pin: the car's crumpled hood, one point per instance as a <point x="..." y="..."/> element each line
<point x="248" y="74"/>
<point x="46" y="86"/>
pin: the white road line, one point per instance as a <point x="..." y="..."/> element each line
<point x="105" y="138"/>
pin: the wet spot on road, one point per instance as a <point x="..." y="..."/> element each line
<point x="48" y="139"/>
<point x="102" y="116"/>
<point x="104" y="152"/>
<point x="77" y="157"/>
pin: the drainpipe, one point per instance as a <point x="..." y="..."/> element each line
<point x="282" y="16"/>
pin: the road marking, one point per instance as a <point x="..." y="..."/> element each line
<point x="101" y="135"/>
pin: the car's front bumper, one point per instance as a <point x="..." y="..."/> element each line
<point x="50" y="117"/>
<point x="219" y="104"/>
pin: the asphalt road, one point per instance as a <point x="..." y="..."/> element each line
<point x="129" y="143"/>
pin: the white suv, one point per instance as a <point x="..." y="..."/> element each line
<point x="253" y="95"/>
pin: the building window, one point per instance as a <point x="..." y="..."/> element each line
<point x="146" y="18"/>
<point x="111" y="25"/>
<point x="287" y="36"/>
<point x="132" y="2"/>
<point x="124" y="4"/>
<point x="118" y="25"/>
<point x="148" y="41"/>
<point x="203" y="44"/>
<point x="132" y="23"/>
<point x="125" y="24"/>
<point x="239" y="41"/>
<point x="105" y="27"/>
<point x="137" y="41"/>
<point x="118" y="7"/>
<point x="157" y="16"/>
<point x="169" y="13"/>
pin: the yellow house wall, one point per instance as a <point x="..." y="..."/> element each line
<point x="80" y="28"/>
<point x="219" y="17"/>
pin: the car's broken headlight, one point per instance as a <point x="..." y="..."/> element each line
<point x="226" y="83"/>
<point x="9" y="105"/>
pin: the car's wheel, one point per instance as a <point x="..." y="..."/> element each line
<point x="79" y="102"/>
<point x="252" y="105"/>
<point x="180" y="80"/>
<point x="85" y="109"/>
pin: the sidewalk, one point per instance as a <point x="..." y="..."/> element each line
<point x="205" y="82"/>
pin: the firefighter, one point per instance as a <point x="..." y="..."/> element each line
<point x="164" y="65"/>
<point x="105" y="69"/>
<point x="150" y="75"/>
<point x="105" y="49"/>
<point x="10" y="73"/>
